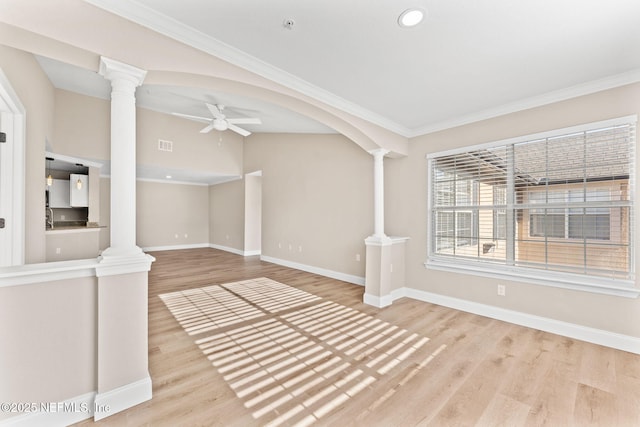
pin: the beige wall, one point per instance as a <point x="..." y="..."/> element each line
<point x="172" y="214"/>
<point x="82" y="126"/>
<point x="48" y="336"/>
<point x="226" y="217"/>
<point x="37" y="96"/>
<point x="253" y="213"/>
<point x="82" y="129"/>
<point x="68" y="245"/>
<point x="317" y="198"/>
<point x="219" y="152"/>
<point x="163" y="210"/>
<point x="406" y="213"/>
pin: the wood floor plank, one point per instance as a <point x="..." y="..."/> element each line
<point x="595" y="407"/>
<point x="322" y="367"/>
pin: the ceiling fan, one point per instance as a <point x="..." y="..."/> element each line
<point x="220" y="122"/>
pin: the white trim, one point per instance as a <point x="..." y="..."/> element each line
<point x="588" y="88"/>
<point x="13" y="175"/>
<point x="117" y="265"/>
<point x="176" y="30"/>
<point x="576" y="282"/>
<point x="234" y="250"/>
<point x="227" y="249"/>
<point x="571" y="330"/>
<point x="171" y="181"/>
<point x="71" y="230"/>
<point x="631" y="119"/>
<point x="175" y="247"/>
<point x="601" y="285"/>
<point x="167" y="181"/>
<point x="70" y="159"/>
<point x="356" y="280"/>
<point x="376" y="301"/>
<point x="124" y="397"/>
<point x="112" y="69"/>
<point x="47" y="272"/>
<point x="82" y="409"/>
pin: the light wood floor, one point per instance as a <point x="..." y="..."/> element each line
<point x="411" y="364"/>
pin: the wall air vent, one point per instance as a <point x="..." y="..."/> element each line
<point x="165" y="145"/>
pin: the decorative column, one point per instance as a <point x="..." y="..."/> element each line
<point x="123" y="378"/>
<point x="378" y="191"/>
<point x="385" y="255"/>
<point x="124" y="80"/>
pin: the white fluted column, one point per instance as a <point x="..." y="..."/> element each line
<point x="124" y="79"/>
<point x="378" y="192"/>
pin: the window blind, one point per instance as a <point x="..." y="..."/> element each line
<point x="558" y="202"/>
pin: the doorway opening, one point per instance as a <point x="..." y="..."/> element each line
<point x="12" y="186"/>
<point x="253" y="213"/>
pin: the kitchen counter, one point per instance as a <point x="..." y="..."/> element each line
<point x="68" y="228"/>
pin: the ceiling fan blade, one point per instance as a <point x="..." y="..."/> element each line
<point x="239" y="130"/>
<point x="245" y="121"/>
<point x="215" y="111"/>
<point x="208" y="128"/>
<point x="196" y="118"/>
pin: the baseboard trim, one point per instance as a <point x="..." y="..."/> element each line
<point x="60" y="414"/>
<point x="175" y="247"/>
<point x="571" y="330"/>
<point x="356" y="280"/>
<point x="376" y="301"/>
<point x="234" y="250"/>
<point x="121" y="398"/>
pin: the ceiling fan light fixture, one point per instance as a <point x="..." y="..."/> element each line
<point x="411" y="17"/>
<point x="220" y="124"/>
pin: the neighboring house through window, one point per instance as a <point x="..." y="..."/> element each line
<point x="556" y="205"/>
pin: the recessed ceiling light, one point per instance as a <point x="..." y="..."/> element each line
<point x="168" y="176"/>
<point x="411" y="17"/>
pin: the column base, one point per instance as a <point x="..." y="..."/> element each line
<point x="385" y="269"/>
<point x="122" y="398"/>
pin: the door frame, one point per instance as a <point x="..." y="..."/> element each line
<point x="12" y="175"/>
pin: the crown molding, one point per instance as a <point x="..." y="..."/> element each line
<point x="587" y="88"/>
<point x="149" y="18"/>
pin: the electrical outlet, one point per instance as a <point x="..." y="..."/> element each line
<point x="502" y="290"/>
<point x="299" y="248"/>
<point x="58" y="251"/>
<point x="358" y="257"/>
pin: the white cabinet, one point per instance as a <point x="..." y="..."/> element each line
<point x="59" y="194"/>
<point x="79" y="190"/>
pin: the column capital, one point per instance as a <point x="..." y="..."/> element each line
<point x="379" y="152"/>
<point x="112" y="70"/>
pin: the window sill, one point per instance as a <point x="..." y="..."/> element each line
<point x="593" y="284"/>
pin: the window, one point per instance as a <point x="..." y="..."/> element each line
<point x="553" y="205"/>
<point x="570" y="223"/>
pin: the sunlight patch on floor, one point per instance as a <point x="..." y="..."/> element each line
<point x="293" y="357"/>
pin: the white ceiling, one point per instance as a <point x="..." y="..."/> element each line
<point x="468" y="60"/>
<point x="185" y="100"/>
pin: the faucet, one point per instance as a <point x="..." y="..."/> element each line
<point x="49" y="217"/>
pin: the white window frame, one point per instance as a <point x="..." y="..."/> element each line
<point x="594" y="284"/>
